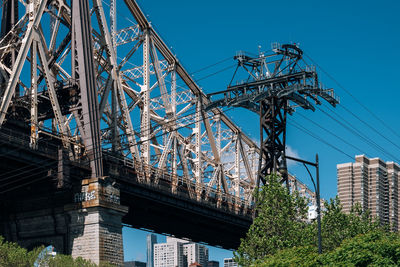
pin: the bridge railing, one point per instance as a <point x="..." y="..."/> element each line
<point x="177" y="185"/>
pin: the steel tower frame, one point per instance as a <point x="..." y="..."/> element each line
<point x="275" y="84"/>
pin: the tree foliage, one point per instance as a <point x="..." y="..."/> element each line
<point x="375" y="248"/>
<point x="338" y="226"/>
<point x="11" y="255"/>
<point x="280" y="223"/>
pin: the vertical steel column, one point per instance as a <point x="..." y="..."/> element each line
<point x="145" y="90"/>
<point x="220" y="176"/>
<point x="33" y="96"/>
<point x="33" y="93"/>
<point x="173" y="107"/>
<point x="81" y="25"/>
<point x="115" y="144"/>
<point x="197" y="132"/>
<point x="218" y="145"/>
<point x="273" y="123"/>
<point x="237" y="166"/>
<point x="236" y="181"/>
<point x="318" y="193"/>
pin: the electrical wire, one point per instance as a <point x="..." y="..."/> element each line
<point x="331" y="133"/>
<point x="350" y="127"/>
<point x="360" y="134"/>
<point x="212" y="65"/>
<point x="5" y="177"/>
<point x="29" y="182"/>
<point x="315" y="136"/>
<point x="369" y="126"/>
<point x="352" y="96"/>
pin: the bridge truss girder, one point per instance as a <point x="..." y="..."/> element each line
<point x="149" y="109"/>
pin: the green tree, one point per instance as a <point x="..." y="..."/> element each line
<point x="375" y="248"/>
<point x="11" y="255"/>
<point x="65" y="260"/>
<point x="295" y="256"/>
<point x="338" y="226"/>
<point x="280" y="223"/>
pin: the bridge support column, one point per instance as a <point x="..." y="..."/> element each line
<point x="96" y="235"/>
<point x="96" y="228"/>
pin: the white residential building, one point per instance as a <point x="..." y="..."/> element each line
<point x="179" y="253"/>
<point x="168" y="254"/>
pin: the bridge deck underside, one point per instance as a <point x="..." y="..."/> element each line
<point x="168" y="214"/>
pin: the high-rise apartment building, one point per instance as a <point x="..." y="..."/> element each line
<point x="151" y="240"/>
<point x="373" y="184"/>
<point x="179" y="253"/>
<point x="168" y="254"/>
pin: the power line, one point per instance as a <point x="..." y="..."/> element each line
<point x="212" y="65"/>
<point x="369" y="126"/>
<point x="352" y="96"/>
<point x="350" y="128"/>
<point x="29" y="182"/>
<point x="331" y="133"/>
<point x="301" y="128"/>
<point x="28" y="169"/>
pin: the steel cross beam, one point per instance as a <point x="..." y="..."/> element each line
<point x="276" y="84"/>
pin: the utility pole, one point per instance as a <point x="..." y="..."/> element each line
<point x="317" y="192"/>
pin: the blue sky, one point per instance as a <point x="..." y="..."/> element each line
<point x="354" y="42"/>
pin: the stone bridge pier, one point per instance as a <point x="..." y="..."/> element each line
<point x="83" y="222"/>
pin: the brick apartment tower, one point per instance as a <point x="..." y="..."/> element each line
<point x="372" y="183"/>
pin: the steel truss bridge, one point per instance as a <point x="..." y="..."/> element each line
<point x="87" y="94"/>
